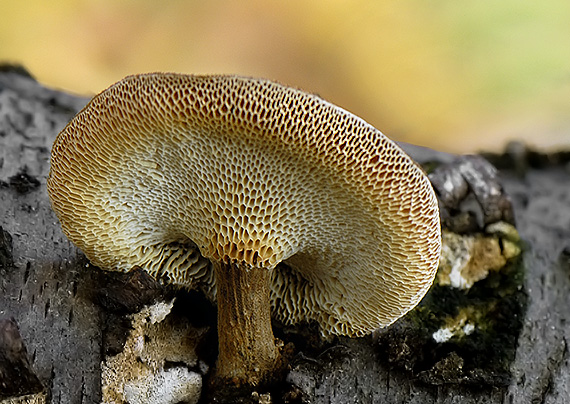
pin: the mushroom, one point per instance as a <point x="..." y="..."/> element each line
<point x="271" y="200"/>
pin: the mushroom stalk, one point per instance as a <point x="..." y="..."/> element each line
<point x="247" y="351"/>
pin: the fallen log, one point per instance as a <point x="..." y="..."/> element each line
<point x="55" y="296"/>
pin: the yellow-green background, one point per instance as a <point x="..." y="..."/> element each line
<point x="450" y="74"/>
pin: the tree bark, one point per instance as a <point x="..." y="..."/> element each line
<point x="16" y="376"/>
<point x="43" y="282"/>
<point x="46" y="284"/>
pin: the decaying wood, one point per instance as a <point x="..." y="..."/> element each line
<point x="47" y="286"/>
<point x="17" y="377"/>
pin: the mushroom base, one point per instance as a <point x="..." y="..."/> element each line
<point x="247" y="354"/>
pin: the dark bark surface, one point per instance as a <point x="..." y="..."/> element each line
<point x="43" y="281"/>
<point x="17" y="378"/>
<point x="48" y="287"/>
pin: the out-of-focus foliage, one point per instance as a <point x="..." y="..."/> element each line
<point x="452" y="75"/>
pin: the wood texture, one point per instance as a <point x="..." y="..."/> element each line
<point x="46" y="286"/>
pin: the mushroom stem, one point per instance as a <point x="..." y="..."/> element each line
<point x="247" y="351"/>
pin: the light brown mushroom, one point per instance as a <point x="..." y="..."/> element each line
<point x="273" y="199"/>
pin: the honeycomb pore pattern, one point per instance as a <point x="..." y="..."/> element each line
<point x="171" y="172"/>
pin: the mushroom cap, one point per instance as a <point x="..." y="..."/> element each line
<point x="172" y="172"/>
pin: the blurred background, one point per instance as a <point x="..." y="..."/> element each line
<point x="452" y="75"/>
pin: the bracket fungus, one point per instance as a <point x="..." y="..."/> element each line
<point x="271" y="200"/>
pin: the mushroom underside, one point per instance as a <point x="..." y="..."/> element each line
<point x="187" y="175"/>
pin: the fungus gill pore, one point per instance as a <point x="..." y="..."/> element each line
<point x="269" y="199"/>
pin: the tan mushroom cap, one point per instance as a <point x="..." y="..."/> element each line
<point x="250" y="171"/>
